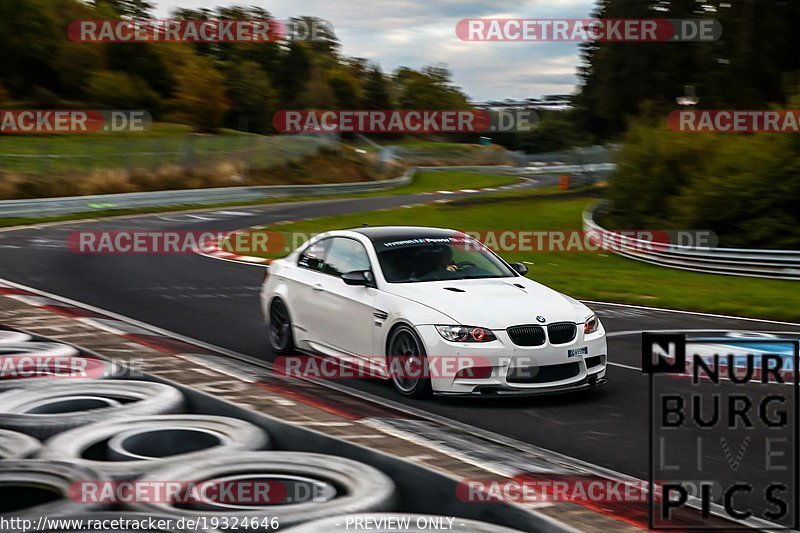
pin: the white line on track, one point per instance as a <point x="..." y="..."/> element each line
<point x="628" y="367"/>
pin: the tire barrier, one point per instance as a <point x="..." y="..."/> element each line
<point x="126" y="520"/>
<point x="311" y="486"/>
<point x="7" y="337"/>
<point x="28" y="383"/>
<point x="398" y="523"/>
<point x="111" y="435"/>
<point x="27" y="364"/>
<point x="39" y="349"/>
<point x="34" y="488"/>
<point x="14" y="445"/>
<point x="44" y="411"/>
<point x="125" y="449"/>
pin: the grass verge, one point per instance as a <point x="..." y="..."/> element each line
<point x="586" y="275"/>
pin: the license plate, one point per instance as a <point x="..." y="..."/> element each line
<point x="578" y="351"/>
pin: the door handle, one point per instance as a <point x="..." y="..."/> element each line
<point x="317" y="287"/>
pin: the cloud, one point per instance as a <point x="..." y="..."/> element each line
<point x="415" y="33"/>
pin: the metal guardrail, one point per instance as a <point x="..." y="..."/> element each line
<point x="40" y="207"/>
<point x="778" y="264"/>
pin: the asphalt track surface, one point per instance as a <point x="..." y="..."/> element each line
<point x="217" y="302"/>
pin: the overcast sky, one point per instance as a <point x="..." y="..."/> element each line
<point x="415" y="33"/>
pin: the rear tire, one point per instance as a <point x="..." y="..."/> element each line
<point x="280" y="328"/>
<point x="408" y="363"/>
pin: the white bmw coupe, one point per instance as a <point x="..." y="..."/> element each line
<point x="437" y="311"/>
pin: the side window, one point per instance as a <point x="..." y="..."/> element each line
<point x="313" y="257"/>
<point x="346" y="255"/>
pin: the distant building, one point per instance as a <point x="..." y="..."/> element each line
<point x="554" y="102"/>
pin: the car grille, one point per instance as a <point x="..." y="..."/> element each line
<point x="561" y="333"/>
<point x="526" y="335"/>
<point x="543" y="374"/>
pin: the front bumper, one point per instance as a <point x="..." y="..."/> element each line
<point x="496" y="363"/>
<point x="591" y="382"/>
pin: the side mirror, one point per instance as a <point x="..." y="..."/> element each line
<point x="359" y="277"/>
<point x="520" y="268"/>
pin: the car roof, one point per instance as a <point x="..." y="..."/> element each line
<point x="388" y="233"/>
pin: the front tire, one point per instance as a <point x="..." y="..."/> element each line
<point x="280" y="328"/>
<point x="408" y="363"/>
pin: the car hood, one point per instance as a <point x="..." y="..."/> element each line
<point x="494" y="303"/>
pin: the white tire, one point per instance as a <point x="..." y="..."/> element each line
<point x="44" y="411"/>
<point x="358" y="487"/>
<point x="127" y="448"/>
<point x="15" y="445"/>
<point x="42" y="488"/>
<point x="44" y="349"/>
<point x="13" y="337"/>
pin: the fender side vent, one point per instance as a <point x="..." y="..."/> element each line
<point x="454" y="289"/>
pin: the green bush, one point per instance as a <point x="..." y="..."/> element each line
<point x="744" y="187"/>
<point x="120" y="90"/>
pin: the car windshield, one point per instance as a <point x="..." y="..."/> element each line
<point x="436" y="259"/>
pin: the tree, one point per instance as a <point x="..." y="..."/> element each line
<point x="200" y="98"/>
<point x="318" y="93"/>
<point x="29" y="36"/>
<point x="75" y="63"/>
<point x="317" y="33"/>
<point x="266" y="54"/>
<point x="429" y="89"/>
<point x="345" y="89"/>
<point x="140" y="9"/>
<point x="148" y="61"/>
<point x="293" y="74"/>
<point x="253" y="100"/>
<point x="744" y="69"/>
<point x="120" y="90"/>
<point x="376" y="90"/>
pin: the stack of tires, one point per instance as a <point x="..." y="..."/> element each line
<point x="68" y="447"/>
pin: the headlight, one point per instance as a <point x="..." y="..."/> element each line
<point x="591" y="325"/>
<point x="465" y="334"/>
